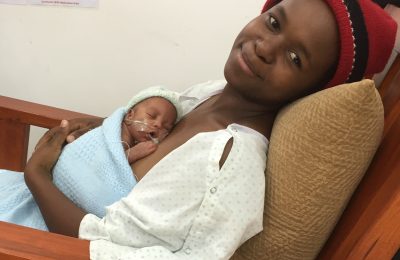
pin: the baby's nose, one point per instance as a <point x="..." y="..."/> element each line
<point x="157" y="124"/>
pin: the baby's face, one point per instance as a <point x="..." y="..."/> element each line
<point x="157" y="115"/>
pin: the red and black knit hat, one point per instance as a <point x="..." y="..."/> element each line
<point x="367" y="36"/>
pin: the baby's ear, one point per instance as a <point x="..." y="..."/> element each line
<point x="130" y="113"/>
<point x="128" y="117"/>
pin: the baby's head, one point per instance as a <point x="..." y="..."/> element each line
<point x="295" y="48"/>
<point x="152" y="114"/>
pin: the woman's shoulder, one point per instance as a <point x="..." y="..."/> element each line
<point x="237" y="142"/>
<point x="247" y="156"/>
<point x="196" y="94"/>
<point x="203" y="89"/>
<point x="249" y="135"/>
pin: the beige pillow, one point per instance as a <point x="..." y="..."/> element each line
<point x="320" y="148"/>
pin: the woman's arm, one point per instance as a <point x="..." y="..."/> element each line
<point x="59" y="213"/>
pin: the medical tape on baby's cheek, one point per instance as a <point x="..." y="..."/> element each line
<point x="143" y="126"/>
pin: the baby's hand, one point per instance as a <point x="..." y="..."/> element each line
<point x="140" y="150"/>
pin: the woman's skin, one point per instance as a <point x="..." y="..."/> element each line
<point x="60" y="214"/>
<point x="279" y="56"/>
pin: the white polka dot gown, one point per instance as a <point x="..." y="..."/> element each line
<point x="186" y="207"/>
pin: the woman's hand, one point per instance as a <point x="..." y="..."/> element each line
<point x="79" y="126"/>
<point x="60" y="214"/>
<point x="47" y="151"/>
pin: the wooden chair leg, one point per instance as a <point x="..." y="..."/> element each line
<point x="14" y="137"/>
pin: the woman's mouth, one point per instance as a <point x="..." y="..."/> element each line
<point x="245" y="64"/>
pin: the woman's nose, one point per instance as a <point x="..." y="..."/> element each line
<point x="267" y="49"/>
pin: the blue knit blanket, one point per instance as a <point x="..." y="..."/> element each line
<point x="92" y="171"/>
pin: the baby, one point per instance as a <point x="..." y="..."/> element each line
<point x="150" y="117"/>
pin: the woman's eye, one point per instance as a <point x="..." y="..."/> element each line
<point x="274" y="23"/>
<point x="295" y="59"/>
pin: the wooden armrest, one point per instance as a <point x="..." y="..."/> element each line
<point x="35" y="114"/>
<point x="17" y="242"/>
<point x="16" y="117"/>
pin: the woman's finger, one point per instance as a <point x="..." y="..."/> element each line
<point x="43" y="139"/>
<point x="77" y="133"/>
<point x="80" y="126"/>
<point x="57" y="134"/>
<point x="46" y="137"/>
<point x="48" y="150"/>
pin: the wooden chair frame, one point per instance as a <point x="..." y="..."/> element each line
<point x="368" y="229"/>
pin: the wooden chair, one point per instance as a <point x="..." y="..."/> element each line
<point x="368" y="229"/>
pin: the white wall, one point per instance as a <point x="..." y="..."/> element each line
<point x="94" y="60"/>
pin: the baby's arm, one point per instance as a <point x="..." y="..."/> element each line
<point x="140" y="150"/>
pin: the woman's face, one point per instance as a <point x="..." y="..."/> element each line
<point x="284" y="53"/>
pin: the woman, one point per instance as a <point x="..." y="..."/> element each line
<point x="201" y="192"/>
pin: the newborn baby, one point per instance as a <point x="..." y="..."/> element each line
<point x="148" y="122"/>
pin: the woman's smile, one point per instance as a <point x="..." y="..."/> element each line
<point x="245" y="64"/>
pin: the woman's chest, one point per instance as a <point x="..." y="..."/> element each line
<point x="187" y="128"/>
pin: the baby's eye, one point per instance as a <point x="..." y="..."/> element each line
<point x="295" y="59"/>
<point x="274" y="23"/>
<point x="151" y="115"/>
